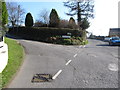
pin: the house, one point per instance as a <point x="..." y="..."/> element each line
<point x="114" y="32"/>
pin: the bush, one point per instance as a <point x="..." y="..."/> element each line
<point x="84" y="42"/>
<point x="67" y="41"/>
<point x="71" y="41"/>
<point x="83" y="35"/>
<point x="75" y="42"/>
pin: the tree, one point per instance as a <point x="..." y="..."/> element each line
<point x="16" y="13"/>
<point x="72" y="23"/>
<point x="4" y="14"/>
<point x="44" y="16"/>
<point x="40" y="24"/>
<point x="54" y="19"/>
<point x="85" y="24"/>
<point x="29" y="20"/>
<point x="63" y="23"/>
<point x="81" y="8"/>
<point x="3" y="19"/>
<point x="0" y="13"/>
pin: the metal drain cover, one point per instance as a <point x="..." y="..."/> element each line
<point x="41" y="78"/>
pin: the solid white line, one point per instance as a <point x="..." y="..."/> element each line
<point x="75" y="55"/>
<point x="68" y="62"/>
<point x="55" y="76"/>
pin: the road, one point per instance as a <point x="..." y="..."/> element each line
<point x="92" y="66"/>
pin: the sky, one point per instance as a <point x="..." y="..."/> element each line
<point x="35" y="8"/>
<point x="106" y="13"/>
<point x="106" y="17"/>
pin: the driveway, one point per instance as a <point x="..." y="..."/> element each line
<point x="92" y="66"/>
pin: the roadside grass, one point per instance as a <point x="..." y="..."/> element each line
<point x="15" y="58"/>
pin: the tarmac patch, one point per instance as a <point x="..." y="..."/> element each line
<point x="41" y="78"/>
<point x="113" y="67"/>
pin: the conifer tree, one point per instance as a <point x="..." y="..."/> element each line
<point x="4" y="14"/>
<point x="54" y="19"/>
<point x="29" y="20"/>
<point x="72" y="23"/>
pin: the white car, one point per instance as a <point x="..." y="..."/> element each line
<point x="107" y="39"/>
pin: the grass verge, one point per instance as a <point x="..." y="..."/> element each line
<point x="15" y="58"/>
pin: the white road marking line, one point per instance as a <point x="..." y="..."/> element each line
<point x="75" y="55"/>
<point x="55" y="76"/>
<point x="68" y="62"/>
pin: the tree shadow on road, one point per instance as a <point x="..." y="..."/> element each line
<point x="107" y="45"/>
<point x="13" y="37"/>
<point x="103" y="45"/>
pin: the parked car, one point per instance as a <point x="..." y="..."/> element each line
<point x="107" y="39"/>
<point x="114" y="41"/>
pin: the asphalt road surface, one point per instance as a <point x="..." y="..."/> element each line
<point x="92" y="66"/>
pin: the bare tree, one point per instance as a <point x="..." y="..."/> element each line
<point x="64" y="23"/>
<point x="81" y="8"/>
<point x="20" y="18"/>
<point x="44" y="17"/>
<point x="38" y="23"/>
<point x="15" y="13"/>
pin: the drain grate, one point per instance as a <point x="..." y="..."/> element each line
<point x="41" y="78"/>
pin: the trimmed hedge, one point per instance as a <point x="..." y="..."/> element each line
<point x="42" y="33"/>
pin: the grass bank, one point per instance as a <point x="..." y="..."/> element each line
<point x="15" y="58"/>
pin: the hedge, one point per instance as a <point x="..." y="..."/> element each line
<point x="42" y="33"/>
